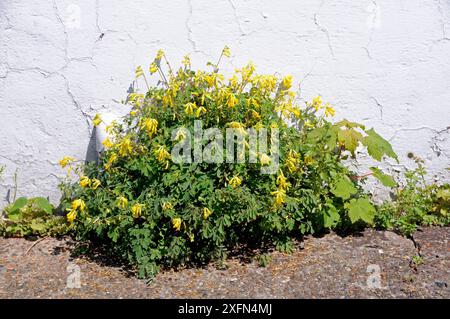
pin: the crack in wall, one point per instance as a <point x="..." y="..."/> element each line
<point x="323" y="29"/>
<point x="236" y="17"/>
<point x="367" y="52"/>
<point x="63" y="41"/>
<point x="437" y="150"/>
<point x="190" y="32"/>
<point x="375" y="17"/>
<point x="442" y="21"/>
<point x="188" y="27"/>
<point x="66" y="36"/>
<point x="77" y="105"/>
<point x="97" y="16"/>
<point x="436" y="139"/>
<point x="380" y="106"/>
<point x="375" y="13"/>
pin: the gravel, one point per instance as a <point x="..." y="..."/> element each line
<point x="371" y="264"/>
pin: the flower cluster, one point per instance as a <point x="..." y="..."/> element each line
<point x="156" y="211"/>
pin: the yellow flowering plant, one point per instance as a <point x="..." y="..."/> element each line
<point x="156" y="211"/>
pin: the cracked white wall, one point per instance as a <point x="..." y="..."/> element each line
<point x="384" y="63"/>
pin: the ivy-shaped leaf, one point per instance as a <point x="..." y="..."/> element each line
<point x="343" y="187"/>
<point x="360" y="209"/>
<point x="378" y="146"/>
<point x="385" y="179"/>
<point x="350" y="139"/>
<point x="43" y="204"/>
<point x="18" y="204"/>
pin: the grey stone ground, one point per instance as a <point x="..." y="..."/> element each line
<point x="326" y="267"/>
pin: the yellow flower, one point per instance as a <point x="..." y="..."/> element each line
<point x="201" y="110"/>
<point x="78" y="204"/>
<point x="133" y="113"/>
<point x="166" y="206"/>
<point x="234" y="81"/>
<point x="258" y="126"/>
<point x="186" y="60"/>
<point x="297" y="113"/>
<point x="111" y="160"/>
<point x="180" y="135"/>
<point x="232" y="100"/>
<point x="162" y="154"/>
<point x="280" y="197"/>
<point x="309" y="160"/>
<point x="210" y="80"/>
<point x="226" y="51"/>
<point x="97" y="120"/>
<point x="238" y="126"/>
<point x="66" y="160"/>
<point x="282" y="181"/>
<point x="95" y="183"/>
<point x="203" y="98"/>
<point x="122" y="202"/>
<point x="167" y="100"/>
<point x="287" y="82"/>
<point x="151" y="126"/>
<point x="292" y="161"/>
<point x="139" y="72"/>
<point x="71" y="215"/>
<point x="125" y="147"/>
<point x="266" y="82"/>
<point x="317" y="102"/>
<point x="329" y="111"/>
<point x="85" y="181"/>
<point x="176" y="223"/>
<point x="136" y="210"/>
<point x="160" y="54"/>
<point x="107" y="143"/>
<point x="247" y="72"/>
<point x="153" y="68"/>
<point x="308" y="124"/>
<point x="235" y="181"/>
<point x="256" y="115"/>
<point x="189" y="108"/>
<point x="265" y="159"/>
<point x="206" y="213"/>
<point x="111" y="126"/>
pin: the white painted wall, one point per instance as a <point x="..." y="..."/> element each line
<point x="384" y="63"/>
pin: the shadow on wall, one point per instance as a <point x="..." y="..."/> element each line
<point x="92" y="154"/>
<point x="98" y="134"/>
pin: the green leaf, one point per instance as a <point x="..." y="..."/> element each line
<point x="360" y="209"/>
<point x="443" y="194"/>
<point x="15" y="216"/>
<point x="331" y="216"/>
<point x="43" y="204"/>
<point x="378" y="146"/>
<point x="18" y="204"/>
<point x="37" y="226"/>
<point x="349" y="124"/>
<point x="343" y="187"/>
<point x="385" y="179"/>
<point x="350" y="138"/>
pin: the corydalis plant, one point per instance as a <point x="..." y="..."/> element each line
<point x="154" y="212"/>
